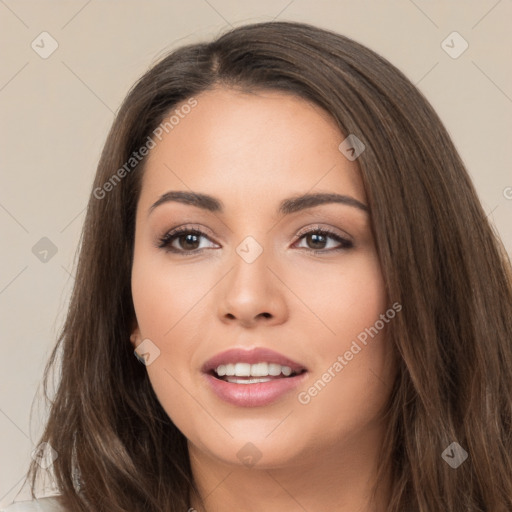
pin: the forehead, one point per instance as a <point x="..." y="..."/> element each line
<point x="250" y="144"/>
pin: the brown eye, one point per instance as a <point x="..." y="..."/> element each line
<point x="183" y="240"/>
<point x="317" y="240"/>
<point x="189" y="241"/>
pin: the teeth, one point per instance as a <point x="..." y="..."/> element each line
<point x="259" y="370"/>
<point x="274" y="369"/>
<point x="245" y="381"/>
<point x="221" y="370"/>
<point x="252" y="370"/>
<point x="242" y="369"/>
<point x="286" y="370"/>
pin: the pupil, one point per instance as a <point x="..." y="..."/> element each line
<point x="188" y="238"/>
<point x="316" y="237"/>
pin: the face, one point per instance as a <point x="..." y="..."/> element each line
<point x="248" y="270"/>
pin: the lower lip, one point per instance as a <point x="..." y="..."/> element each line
<point x="253" y="395"/>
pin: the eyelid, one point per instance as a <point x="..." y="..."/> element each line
<point x="190" y="227"/>
<point x="320" y="227"/>
<point x="164" y="241"/>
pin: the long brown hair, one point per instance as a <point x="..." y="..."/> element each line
<point x="441" y="260"/>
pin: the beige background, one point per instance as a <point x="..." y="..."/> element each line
<point x="55" y="113"/>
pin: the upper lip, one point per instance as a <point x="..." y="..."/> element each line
<point x="253" y="356"/>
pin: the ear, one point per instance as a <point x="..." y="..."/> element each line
<point x="135" y="337"/>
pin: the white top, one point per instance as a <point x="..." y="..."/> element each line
<point x="41" y="505"/>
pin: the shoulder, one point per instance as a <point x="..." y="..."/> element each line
<point x="50" y="504"/>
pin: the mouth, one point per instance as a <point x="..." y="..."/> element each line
<point x="252" y="378"/>
<point x="246" y="373"/>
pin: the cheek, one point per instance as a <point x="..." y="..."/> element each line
<point x="165" y="300"/>
<point x="364" y="298"/>
<point x="352" y="372"/>
<point x="360" y="332"/>
<point x="346" y="298"/>
<point x="163" y="293"/>
<point x="171" y="304"/>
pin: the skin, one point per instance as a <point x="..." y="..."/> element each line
<point x="251" y="151"/>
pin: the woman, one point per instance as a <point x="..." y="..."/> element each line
<point x="283" y="233"/>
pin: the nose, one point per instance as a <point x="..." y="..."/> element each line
<point x="252" y="294"/>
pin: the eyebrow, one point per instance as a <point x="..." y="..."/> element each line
<point x="286" y="207"/>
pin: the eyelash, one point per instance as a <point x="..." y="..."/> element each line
<point x="166" y="240"/>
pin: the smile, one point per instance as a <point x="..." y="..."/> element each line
<point x="252" y="378"/>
